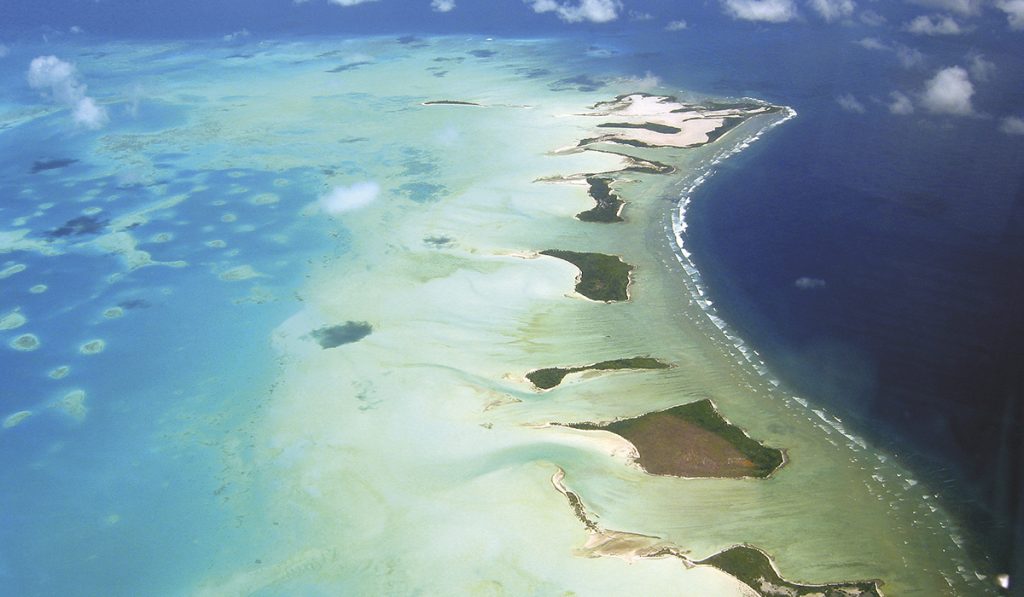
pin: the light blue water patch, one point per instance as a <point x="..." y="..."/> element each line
<point x="147" y="487"/>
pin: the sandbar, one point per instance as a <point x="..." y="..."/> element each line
<point x="644" y="120"/>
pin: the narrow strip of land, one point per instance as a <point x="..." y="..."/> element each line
<point x="550" y="377"/>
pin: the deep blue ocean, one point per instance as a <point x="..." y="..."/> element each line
<point x="909" y="229"/>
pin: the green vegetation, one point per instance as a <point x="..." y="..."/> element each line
<point x="752" y="567"/>
<point x="631" y="142"/>
<point x="649" y="167"/>
<point x="602" y="277"/>
<point x="727" y="125"/>
<point x="608" y="203"/>
<point x="590" y="140"/>
<point x="545" y="379"/>
<point x="650" y="126"/>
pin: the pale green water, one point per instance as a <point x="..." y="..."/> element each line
<point x="446" y="465"/>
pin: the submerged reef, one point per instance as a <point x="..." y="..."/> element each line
<point x="79" y="226"/>
<point x="693" y="440"/>
<point x="602" y="277"/>
<point x="545" y="379"/>
<point x="44" y="165"/>
<point x="337" y="335"/>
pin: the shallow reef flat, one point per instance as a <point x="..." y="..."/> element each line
<point x="426" y="428"/>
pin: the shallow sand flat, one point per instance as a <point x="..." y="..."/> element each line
<point x="421" y="447"/>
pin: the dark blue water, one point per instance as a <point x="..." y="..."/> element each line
<point x="915" y="228"/>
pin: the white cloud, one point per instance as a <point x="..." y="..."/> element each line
<point x="872" y="43"/>
<point x="640" y="16"/>
<point x="677" y="25"/>
<point x="59" y="80"/>
<point x="4" y="51"/>
<point x="949" y="92"/>
<point x="806" y="283"/>
<point x="134" y="97"/>
<point x="342" y="199"/>
<point x="76" y="29"/>
<point x="964" y="7"/>
<point x="981" y="69"/>
<point x="909" y="57"/>
<point x="1012" y="125"/>
<point x="934" y="25"/>
<point x="833" y="10"/>
<point x="770" y="11"/>
<point x="346" y="2"/>
<point x="1014" y="10"/>
<point x="645" y="83"/>
<point x="872" y="18"/>
<point x="850" y="103"/>
<point x="237" y="35"/>
<point x="595" y="11"/>
<point x="88" y="114"/>
<point x="900" y="104"/>
<point x="442" y="5"/>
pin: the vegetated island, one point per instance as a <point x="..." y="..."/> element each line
<point x="609" y="205"/>
<point x="449" y="103"/>
<point x="602" y="277"/>
<point x="755" y="569"/>
<point x="545" y="379"/>
<point x="693" y="440"/>
<point x="745" y="563"/>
